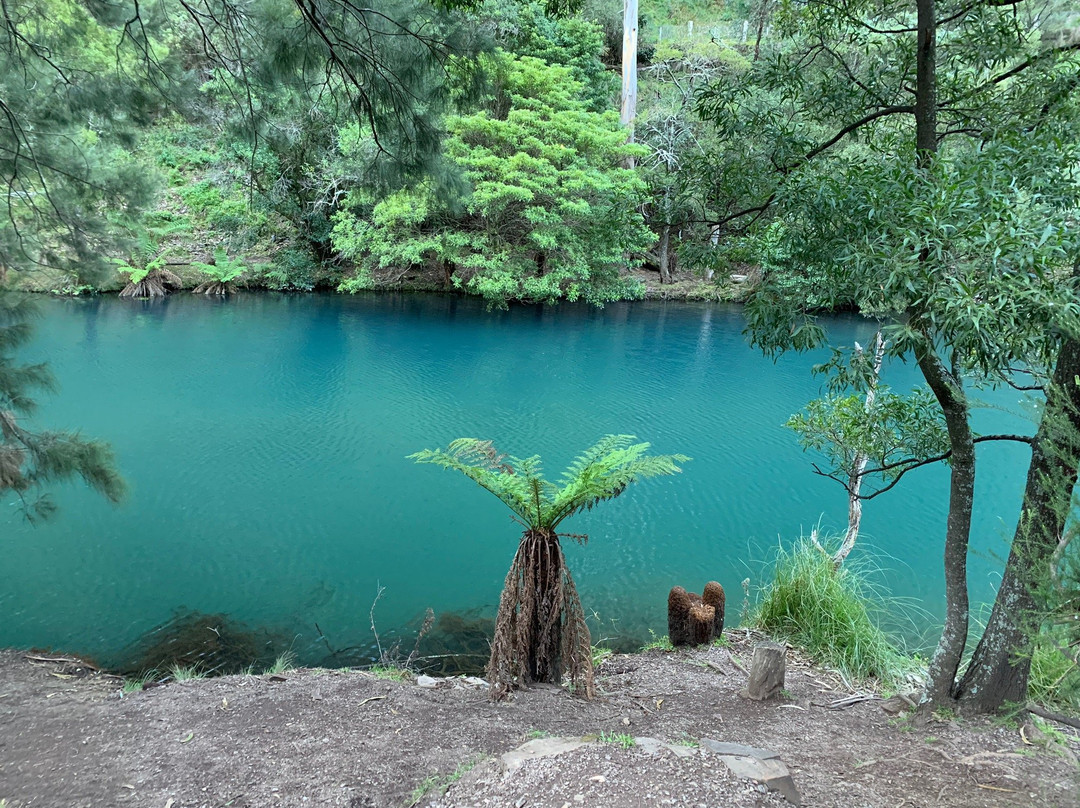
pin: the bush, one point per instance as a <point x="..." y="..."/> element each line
<point x="827" y="612"/>
<point x="1055" y="676"/>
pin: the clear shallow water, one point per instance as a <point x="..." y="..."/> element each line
<point x="264" y="439"/>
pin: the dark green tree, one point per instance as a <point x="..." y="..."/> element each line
<point x="31" y="460"/>
<point x="540" y="630"/>
<point x="917" y="160"/>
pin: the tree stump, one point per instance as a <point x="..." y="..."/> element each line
<point x="713" y="595"/>
<point x="701" y="624"/>
<point x="766" y="671"/>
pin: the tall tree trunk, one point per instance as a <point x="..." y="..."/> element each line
<point x="948" y="391"/>
<point x="1000" y="668"/>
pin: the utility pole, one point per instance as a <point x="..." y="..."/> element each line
<point x="629" y="64"/>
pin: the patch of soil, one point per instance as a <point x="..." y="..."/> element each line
<point x="329" y="737"/>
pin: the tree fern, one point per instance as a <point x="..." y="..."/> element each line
<point x="540" y="631"/>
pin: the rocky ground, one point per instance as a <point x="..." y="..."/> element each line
<point x="329" y="737"/>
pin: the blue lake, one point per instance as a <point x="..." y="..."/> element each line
<point x="264" y="439"/>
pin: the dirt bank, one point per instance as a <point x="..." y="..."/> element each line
<point x="317" y="737"/>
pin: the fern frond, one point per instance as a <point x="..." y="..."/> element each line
<point x="597" y="476"/>
<point x="478" y="460"/>
<point x="600" y="473"/>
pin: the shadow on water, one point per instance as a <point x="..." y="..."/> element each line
<point x="212" y="644"/>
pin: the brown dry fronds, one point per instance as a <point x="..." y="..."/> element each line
<point x="713" y="595"/>
<point x="540" y="630"/>
<point x="214" y="288"/>
<point x="156" y="283"/>
<point x="678" y="616"/>
<point x="701" y="623"/>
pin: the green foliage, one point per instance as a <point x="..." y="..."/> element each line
<point x="827" y="612"/>
<point x="1055" y="674"/>
<point x="600" y="473"/>
<point x="283" y="663"/>
<point x="600" y="654"/>
<point x="70" y="108"/>
<point x="30" y="461"/>
<point x="224" y="269"/>
<point x="438" y="784"/>
<point x="657" y="643"/>
<point x="551" y="214"/>
<point x="392" y="673"/>
<point x="620" y="739"/>
<point x="894" y="429"/>
<point x="186" y="674"/>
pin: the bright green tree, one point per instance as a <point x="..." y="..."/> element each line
<point x="540" y="631"/>
<point x="550" y="214"/>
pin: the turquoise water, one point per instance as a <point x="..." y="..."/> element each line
<point x="264" y="439"/>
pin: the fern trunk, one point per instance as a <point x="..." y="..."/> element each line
<point x="540" y="631"/>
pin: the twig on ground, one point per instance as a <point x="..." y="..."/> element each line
<point x="736" y="663"/>
<point x="1067" y="720"/>
<point x="855" y="698"/>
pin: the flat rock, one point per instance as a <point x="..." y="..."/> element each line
<point x="725" y="748"/>
<point x="654" y="746"/>
<point x="770" y="772"/>
<point x="426" y="681"/>
<point x="538" y="748"/>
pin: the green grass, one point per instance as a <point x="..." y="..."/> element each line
<point x="180" y="673"/>
<point x="390" y="672"/>
<point x="133" y="684"/>
<point x="617" y="739"/>
<point x="283" y="664"/>
<point x="827" y="612"/>
<point x="534" y="734"/>
<point x="600" y="654"/>
<point x="440" y="783"/>
<point x="658" y="643"/>
<point x="1055" y="678"/>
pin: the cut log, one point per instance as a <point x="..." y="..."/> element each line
<point x="713" y="595"/>
<point x="701" y="624"/>
<point x="767" y="671"/>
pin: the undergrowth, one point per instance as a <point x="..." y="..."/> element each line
<point x="1055" y="675"/>
<point x="828" y="613"/>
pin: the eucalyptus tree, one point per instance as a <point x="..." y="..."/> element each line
<point x="917" y="160"/>
<point x="540" y="630"/>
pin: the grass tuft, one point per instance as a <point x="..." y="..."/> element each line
<point x="1055" y="676"/>
<point x="827" y="612"/>
<point x="133" y="684"/>
<point x="658" y="643"/>
<point x="284" y="663"/>
<point x="439" y="784"/>
<point x="393" y="673"/>
<point x="617" y="739"/>
<point x="180" y="673"/>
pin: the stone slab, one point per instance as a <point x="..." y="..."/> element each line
<point x="772" y="773"/>
<point x="538" y="748"/>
